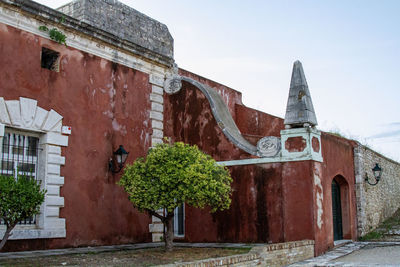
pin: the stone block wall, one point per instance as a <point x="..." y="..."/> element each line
<point x="123" y="21"/>
<point x="280" y="254"/>
<point x="375" y="203"/>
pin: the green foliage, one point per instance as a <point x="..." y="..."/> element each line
<point x="175" y="174"/>
<point x="19" y="199"/>
<point x="62" y="19"/>
<point x="371" y="236"/>
<point x="43" y="28"/>
<point x="55" y="34"/>
<point x="383" y="229"/>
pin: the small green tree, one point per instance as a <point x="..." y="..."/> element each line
<point x="173" y="174"/>
<point x="20" y="198"/>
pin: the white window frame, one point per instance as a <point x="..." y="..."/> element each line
<point x="16" y="158"/>
<point x="25" y="116"/>
<point x="176" y="221"/>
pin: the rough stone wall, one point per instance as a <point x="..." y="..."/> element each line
<point x="124" y="22"/>
<point x="375" y="203"/>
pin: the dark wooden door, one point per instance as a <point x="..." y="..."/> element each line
<point x="336" y="212"/>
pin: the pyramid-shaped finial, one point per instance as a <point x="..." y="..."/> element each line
<point x="299" y="109"/>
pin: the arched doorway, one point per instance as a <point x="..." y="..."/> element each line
<point x="337" y="211"/>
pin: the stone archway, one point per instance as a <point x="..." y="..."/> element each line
<point x="340" y="208"/>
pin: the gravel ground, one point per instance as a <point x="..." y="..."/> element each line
<point x="134" y="258"/>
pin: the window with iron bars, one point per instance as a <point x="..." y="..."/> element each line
<point x="19" y="156"/>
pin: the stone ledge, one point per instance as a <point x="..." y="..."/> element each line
<point x="265" y="255"/>
<point x="287" y="245"/>
<point x="35" y="233"/>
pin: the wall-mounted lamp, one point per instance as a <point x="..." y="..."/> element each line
<point x="120" y="155"/>
<point x="377" y="173"/>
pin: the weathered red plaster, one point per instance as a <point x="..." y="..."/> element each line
<point x="295" y="144"/>
<point x="288" y="211"/>
<point x="338" y="164"/>
<point x="106" y="105"/>
<point x="256" y="211"/>
<point x="315" y="144"/>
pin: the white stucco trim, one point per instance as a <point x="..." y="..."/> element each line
<point x="25" y="115"/>
<point x="286" y="156"/>
<point x="157" y="108"/>
<point x="308" y="153"/>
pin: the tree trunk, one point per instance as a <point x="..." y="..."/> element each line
<point x="169" y="234"/>
<point x="5" y="237"/>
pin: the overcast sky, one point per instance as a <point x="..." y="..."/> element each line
<point x="350" y="51"/>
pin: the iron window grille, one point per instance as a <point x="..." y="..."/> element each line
<point x="19" y="156"/>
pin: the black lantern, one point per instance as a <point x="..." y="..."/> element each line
<point x="377" y="171"/>
<point x="120" y="155"/>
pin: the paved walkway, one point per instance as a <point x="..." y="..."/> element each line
<point x="358" y="254"/>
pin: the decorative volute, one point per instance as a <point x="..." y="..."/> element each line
<point x="299" y="110"/>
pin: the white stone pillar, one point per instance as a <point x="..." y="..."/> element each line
<point x="157" y="124"/>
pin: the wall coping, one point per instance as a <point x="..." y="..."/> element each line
<point x="256" y="255"/>
<point x="286" y="245"/>
<point x="377" y="153"/>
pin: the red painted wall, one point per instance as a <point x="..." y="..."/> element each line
<point x="338" y="162"/>
<point x="256" y="211"/>
<point x="270" y="202"/>
<point x="106" y="105"/>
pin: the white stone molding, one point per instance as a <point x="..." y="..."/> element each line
<point x="359" y="189"/>
<point x="156" y="228"/>
<point x="24" y="115"/>
<point x="157" y="108"/>
<point x="286" y="156"/>
<point x="307" y="134"/>
<point x="268" y="146"/>
<point x="173" y="84"/>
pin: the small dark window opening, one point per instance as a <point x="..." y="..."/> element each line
<point x="50" y="59"/>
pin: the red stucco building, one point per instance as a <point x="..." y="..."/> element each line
<point x="114" y="85"/>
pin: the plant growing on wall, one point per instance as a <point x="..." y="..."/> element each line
<point x="55" y="34"/>
<point x="20" y="198"/>
<point x="173" y="174"/>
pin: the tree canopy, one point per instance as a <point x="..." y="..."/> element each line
<point x="173" y="174"/>
<point x="20" y="198"/>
